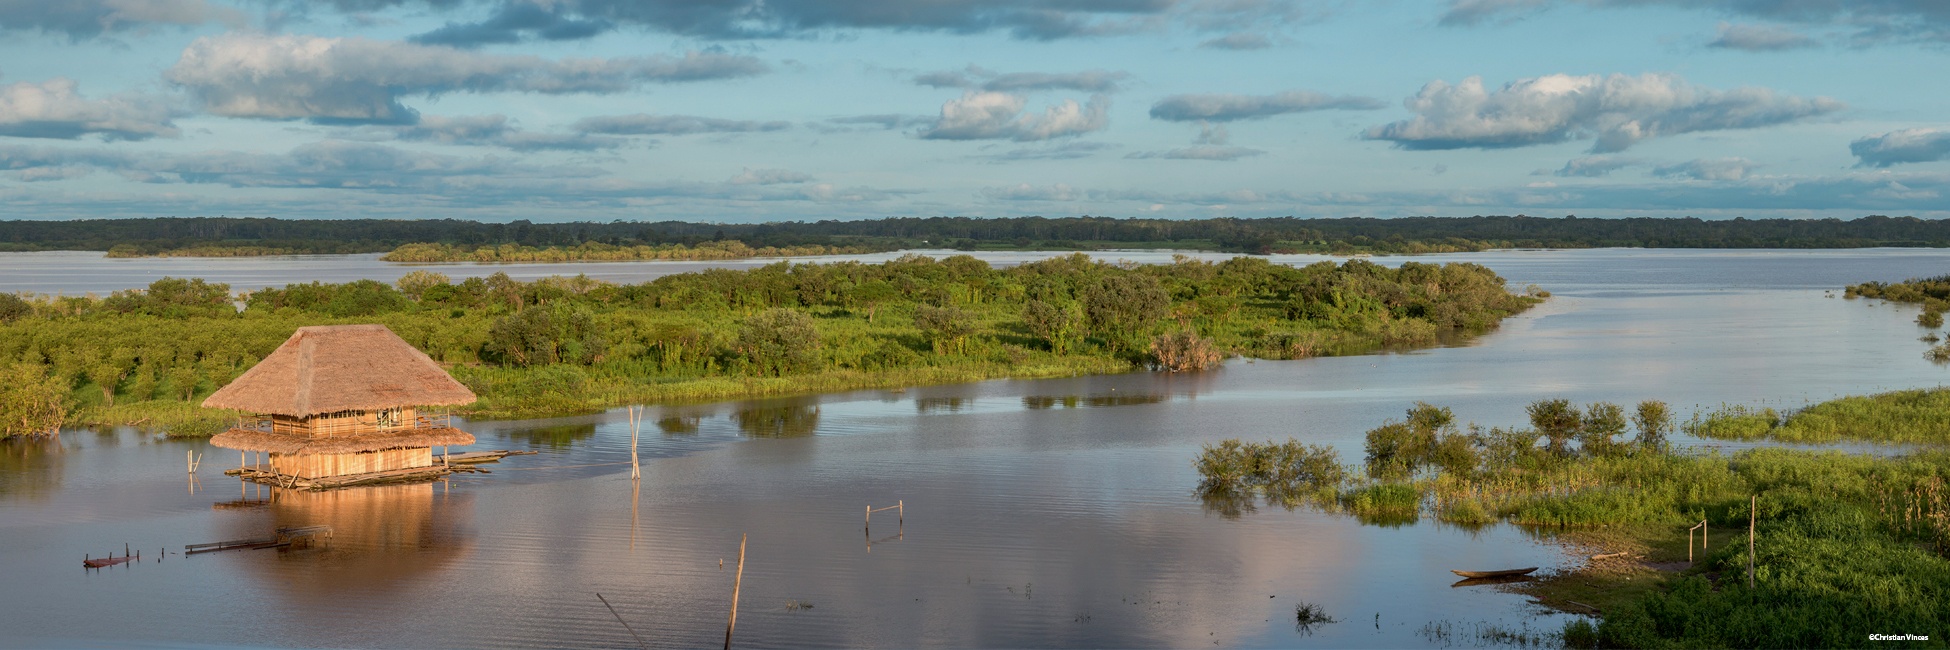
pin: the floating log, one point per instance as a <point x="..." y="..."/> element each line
<point x="479" y="456"/>
<point x="1502" y="573"/>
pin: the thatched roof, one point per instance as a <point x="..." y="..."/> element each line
<point x="338" y="368"/>
<point x="297" y="445"/>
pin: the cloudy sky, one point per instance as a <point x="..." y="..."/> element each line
<point x="756" y="110"/>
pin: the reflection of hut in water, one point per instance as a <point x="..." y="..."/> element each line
<point x="384" y="537"/>
<point x="340" y="405"/>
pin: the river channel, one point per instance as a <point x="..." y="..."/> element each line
<point x="1047" y="513"/>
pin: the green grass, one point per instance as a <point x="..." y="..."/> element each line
<point x="1902" y="417"/>
<point x="1844" y="545"/>
<point x="173" y="418"/>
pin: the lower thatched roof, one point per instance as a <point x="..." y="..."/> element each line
<point x="290" y="445"/>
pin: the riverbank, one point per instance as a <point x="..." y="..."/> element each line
<point x="574" y="345"/>
<point x="1842" y="544"/>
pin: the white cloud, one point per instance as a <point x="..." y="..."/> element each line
<point x="1239" y="41"/>
<point x="981" y="115"/>
<point x="489" y="131"/>
<point x="1592" y="166"/>
<point x="1903" y="146"/>
<point x="642" y="124"/>
<point x="1226" y="108"/>
<point x="1716" y="169"/>
<point x="770" y="177"/>
<point x="1617" y="110"/>
<point x="56" y="109"/>
<point x="1759" y="38"/>
<point x="1200" y="152"/>
<point x="1027" y="192"/>
<point x="86" y="18"/>
<point x="356" y="79"/>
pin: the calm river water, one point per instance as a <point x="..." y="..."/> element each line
<point x="1046" y="513"/>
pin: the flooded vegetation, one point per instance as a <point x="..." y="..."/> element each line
<point x="1844" y="542"/>
<point x="1066" y="511"/>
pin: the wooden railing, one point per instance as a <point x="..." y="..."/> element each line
<point x="341" y="426"/>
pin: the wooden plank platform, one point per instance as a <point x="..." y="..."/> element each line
<point x="442" y="466"/>
<point x="263" y="474"/>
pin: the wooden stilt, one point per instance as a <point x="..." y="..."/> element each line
<point x="736" y="583"/>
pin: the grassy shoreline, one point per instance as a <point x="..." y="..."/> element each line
<point x="1844" y="544"/>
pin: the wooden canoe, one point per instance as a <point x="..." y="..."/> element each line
<point x="1505" y="573"/>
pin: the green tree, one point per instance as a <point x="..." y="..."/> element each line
<point x="1558" y="421"/>
<point x="107" y="372"/>
<point x="416" y="284"/>
<point x="1603" y="423"/>
<point x="32" y="403"/>
<point x="13" y="308"/>
<point x="1654" y="422"/>
<point x="183" y="378"/>
<point x="524" y="338"/>
<point x="946" y="328"/>
<point x="871" y="295"/>
<point x="1121" y="307"/>
<point x="1060" y="324"/>
<point x="779" y="341"/>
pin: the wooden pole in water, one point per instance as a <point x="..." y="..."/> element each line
<point x="736" y="583"/>
<point x="619" y="619"/>
<point x="636" y="416"/>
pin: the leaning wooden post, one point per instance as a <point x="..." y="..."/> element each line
<point x="901" y="511"/>
<point x="735" y="584"/>
<point x="868" y="524"/>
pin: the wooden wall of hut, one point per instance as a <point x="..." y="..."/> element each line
<point x="322" y="465"/>
<point x="343" y="424"/>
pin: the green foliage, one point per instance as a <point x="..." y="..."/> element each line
<point x="1120" y="308"/>
<point x="13" y="308"/>
<point x="946" y="328"/>
<point x="628" y="239"/>
<point x="1183" y="351"/>
<point x="1060" y="324"/>
<point x="1733" y="422"/>
<point x="778" y="342"/>
<point x="1654" y="423"/>
<point x="355" y="298"/>
<point x="174" y="298"/>
<point x="32" y="403"/>
<point x="714" y="334"/>
<point x="416" y="284"/>
<point x="543" y="335"/>
<point x="1899" y="417"/>
<point x="1385" y="503"/>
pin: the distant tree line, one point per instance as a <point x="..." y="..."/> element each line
<point x="215" y="236"/>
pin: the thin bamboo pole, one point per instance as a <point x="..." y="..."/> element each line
<point x="636" y="418"/>
<point x="619" y="619"/>
<point x="736" y="583"/>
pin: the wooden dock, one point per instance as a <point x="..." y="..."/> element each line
<point x="443" y="465"/>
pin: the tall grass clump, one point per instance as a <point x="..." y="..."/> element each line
<point x="1733" y="422"/>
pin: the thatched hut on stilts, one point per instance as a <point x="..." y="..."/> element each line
<point x="342" y="405"/>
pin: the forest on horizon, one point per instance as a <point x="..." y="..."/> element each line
<point x="224" y="236"/>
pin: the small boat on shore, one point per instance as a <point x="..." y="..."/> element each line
<point x="1505" y="573"/>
